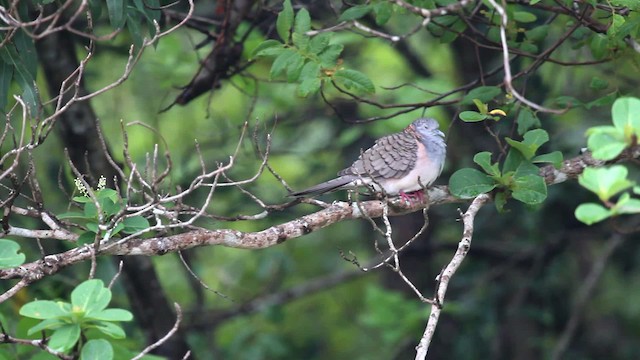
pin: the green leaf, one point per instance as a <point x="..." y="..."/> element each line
<point x="109" y="207"/>
<point x="319" y="42"/>
<point x="468" y="183"/>
<point x="567" y="102"/>
<point x="294" y="67"/>
<point x="43" y="309"/>
<point x="21" y="74"/>
<point x="310" y="70"/>
<point x="500" y="200"/>
<point x="599" y="46"/>
<point x="355" y="12"/>
<point x="97" y="349"/>
<point x="538" y="33"/>
<point x="268" y="48"/>
<point x="529" y="189"/>
<point x="626" y="205"/>
<point x="110" y="329"/>
<point x="112" y="315"/>
<point x="135" y="223"/>
<point x="6" y="75"/>
<point x="591" y="213"/>
<point x="598" y="83"/>
<point x="554" y="158"/>
<point x="48" y="324"/>
<point x="605" y="100"/>
<point x="524" y="17"/>
<point x="605" y="145"/>
<point x="281" y="62"/>
<point x="308" y="86"/>
<point x="513" y="161"/>
<point x="87" y="237"/>
<point x="302" y="22"/>
<point x="626" y="116"/>
<point x="300" y="28"/>
<point x="72" y="215"/>
<point x="65" y="337"/>
<point x="330" y="55"/>
<point x="116" y="10"/>
<point x="482" y="107"/>
<point x="285" y="21"/>
<point x="605" y="182"/>
<point x="90" y="296"/>
<point x="383" y="11"/>
<point x="526" y="120"/>
<point x="484" y="160"/>
<point x="532" y="140"/>
<point x="472" y="116"/>
<point x="482" y="93"/>
<point x="352" y="79"/>
<point x="10" y="255"/>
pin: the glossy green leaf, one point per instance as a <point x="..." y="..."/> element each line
<point x="90" y="296"/>
<point x="469" y="183"/>
<point x="330" y="55"/>
<point x="268" y="48"/>
<point x="110" y="329"/>
<point x="599" y="46"/>
<point x="591" y="213"/>
<point x="97" y="349"/>
<point x="626" y="116"/>
<point x="472" y="116"/>
<point x="302" y="22"/>
<point x="383" y="11"/>
<point x="354" y="80"/>
<point x="281" y="62"/>
<point x="10" y="255"/>
<point x="319" y="42"/>
<point x="116" y="9"/>
<point x="524" y="17"/>
<point x="87" y="237"/>
<point x="43" y="309"/>
<point x="308" y="86"/>
<point x="65" y="337"/>
<point x="48" y="324"/>
<point x="529" y="189"/>
<point x="554" y="158"/>
<point x="483" y="159"/>
<point x="526" y="120"/>
<point x="135" y="223"/>
<point x="598" y="83"/>
<point x="627" y="205"/>
<point x="284" y="22"/>
<point x="538" y="33"/>
<point x="606" y="145"/>
<point x="355" y="12"/>
<point x="605" y="182"/>
<point x="112" y="315"/>
<point x="294" y="67"/>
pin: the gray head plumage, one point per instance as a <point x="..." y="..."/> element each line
<point x="427" y="128"/>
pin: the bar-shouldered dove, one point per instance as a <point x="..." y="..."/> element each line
<point x="398" y="163"/>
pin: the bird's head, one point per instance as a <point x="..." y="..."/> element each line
<point x="424" y="127"/>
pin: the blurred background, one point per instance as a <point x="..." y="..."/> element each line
<point x="531" y="271"/>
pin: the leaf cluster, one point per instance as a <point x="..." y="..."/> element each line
<point x="66" y="321"/>
<point x="305" y="60"/>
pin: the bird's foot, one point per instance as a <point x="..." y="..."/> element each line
<point x="417" y="196"/>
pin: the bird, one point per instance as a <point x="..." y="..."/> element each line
<point x="401" y="163"/>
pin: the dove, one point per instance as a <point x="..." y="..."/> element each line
<point x="401" y="164"/>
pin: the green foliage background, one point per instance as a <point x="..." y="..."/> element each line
<point x="517" y="286"/>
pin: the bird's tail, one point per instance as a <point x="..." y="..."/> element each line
<point x="324" y="187"/>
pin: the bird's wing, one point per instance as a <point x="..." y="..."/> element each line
<point x="391" y="157"/>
